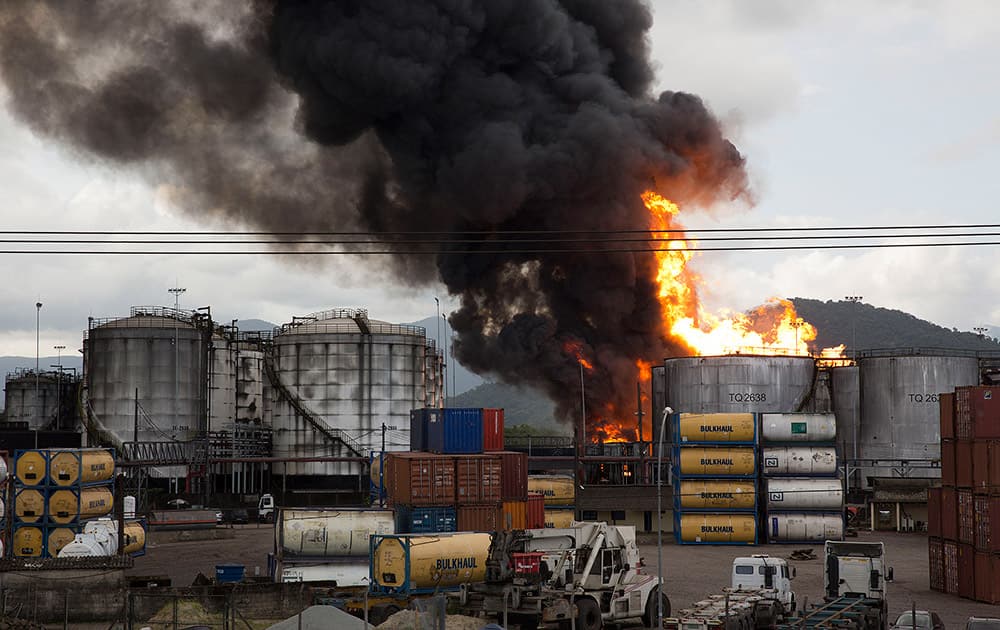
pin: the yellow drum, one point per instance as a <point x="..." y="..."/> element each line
<point x="135" y="537"/>
<point x="557" y="489"/>
<point x="58" y="538"/>
<point x="72" y="467"/>
<point x="29" y="505"/>
<point x="29" y="542"/>
<point x="717" y="494"/>
<point x="438" y="561"/>
<point x="65" y="506"/>
<point x="559" y="518"/>
<point x="718" y="528"/>
<point x="716" y="427"/>
<point x="707" y="461"/>
<point x="30" y="468"/>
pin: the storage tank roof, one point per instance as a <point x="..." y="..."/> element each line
<point x="148" y="317"/>
<point x="347" y="320"/>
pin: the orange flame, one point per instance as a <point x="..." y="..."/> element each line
<point x="575" y="348"/>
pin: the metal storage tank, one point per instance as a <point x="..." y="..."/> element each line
<point x="846" y="385"/>
<point x="222" y="382"/>
<point x="21" y="403"/>
<point x="335" y="377"/>
<point x="249" y="384"/>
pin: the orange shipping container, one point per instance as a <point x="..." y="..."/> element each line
<point x="951" y="567"/>
<point x="420" y="479"/>
<point x="966" y="571"/>
<point x="948" y="463"/>
<point x="966" y="517"/>
<point x="492" y="429"/>
<point x="988" y="578"/>
<point x="946" y="403"/>
<point x="963" y="464"/>
<point x="986" y="513"/>
<point x="986" y="467"/>
<point x="479" y="518"/>
<point x="536" y="511"/>
<point x="949" y="514"/>
<point x="934" y="512"/>
<point x="935" y="552"/>
<point x="514" y="515"/>
<point x="478" y="479"/>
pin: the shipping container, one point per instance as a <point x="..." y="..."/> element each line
<point x="966" y="517"/>
<point x="799" y="460"/>
<point x="804" y="527"/>
<point x="963" y="464"/>
<point x="29" y="505"/>
<point x="715" y="495"/>
<point x="966" y="571"/>
<point x="419" y="419"/>
<point x="715" y="529"/>
<point x="977" y="413"/>
<point x="30" y="468"/>
<point x="934" y="512"/>
<point x="69" y="505"/>
<point x="935" y="551"/>
<point x="987" y="578"/>
<point x="458" y="430"/>
<point x="28" y="541"/>
<point x="714" y="428"/>
<point x="708" y="461"/>
<point x="420" y="479"/>
<point x="329" y="532"/>
<point x="492" y="430"/>
<point x="986" y="536"/>
<point x="558" y="490"/>
<point x="986" y="467"/>
<point x="559" y="517"/>
<point x="479" y="518"/>
<point x="948" y="463"/>
<point x="536" y="511"/>
<point x="805" y="493"/>
<point x="949" y="513"/>
<point x="478" y="479"/>
<point x="514" y="515"/>
<point x="425" y="564"/>
<point x="514" y="471"/>
<point x="80" y="466"/>
<point x="425" y="520"/>
<point x="946" y="406"/>
<point x="798" y="427"/>
<point x="950" y="567"/>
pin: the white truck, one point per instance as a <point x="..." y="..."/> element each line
<point x="761" y="571"/>
<point x="265" y="508"/>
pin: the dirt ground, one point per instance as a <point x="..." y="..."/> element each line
<point x="691" y="572"/>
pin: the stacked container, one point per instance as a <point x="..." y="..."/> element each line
<point x="54" y="493"/>
<point x="558" y="494"/>
<point x="801" y="478"/>
<point x="715" y="478"/>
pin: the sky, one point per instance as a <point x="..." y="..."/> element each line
<point x="848" y="113"/>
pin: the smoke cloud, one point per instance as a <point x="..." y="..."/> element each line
<point x="455" y="116"/>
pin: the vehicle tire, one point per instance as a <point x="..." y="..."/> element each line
<point x="588" y="615"/>
<point x="650" y="616"/>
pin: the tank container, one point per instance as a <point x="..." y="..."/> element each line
<point x="799" y="460"/>
<point x="707" y="461"/>
<point x="68" y="505"/>
<point x="28" y="541"/>
<point x="717" y="495"/>
<point x="31" y="468"/>
<point x="559" y="518"/>
<point x="798" y="427"/>
<point x="718" y="528"/>
<point x="738" y="383"/>
<point x="714" y="428"/>
<point x="804" y="493"/>
<point x="29" y="505"/>
<point x="805" y="527"/>
<point x="416" y="564"/>
<point x="74" y="467"/>
<point x="558" y="490"/>
<point x="58" y="537"/>
<point x="323" y="533"/>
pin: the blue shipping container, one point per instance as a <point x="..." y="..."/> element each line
<point x="228" y="573"/>
<point x="425" y="520"/>
<point x="419" y="419"/>
<point x="457" y="430"/>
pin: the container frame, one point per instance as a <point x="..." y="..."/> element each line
<point x="677" y="498"/>
<point x="677" y="474"/>
<point x="675" y="432"/>
<point x="375" y="589"/>
<point x="677" y="531"/>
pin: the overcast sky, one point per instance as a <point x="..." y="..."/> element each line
<point x="849" y="113"/>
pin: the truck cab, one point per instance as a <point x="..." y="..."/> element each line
<point x="856" y="569"/>
<point x="761" y="571"/>
<point x="265" y="508"/>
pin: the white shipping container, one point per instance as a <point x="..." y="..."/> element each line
<point x="798" y="427"/>
<point x="797" y="493"/>
<point x="324" y="533"/>
<point x="344" y="574"/>
<point x="799" y="460"/>
<point x="805" y="527"/>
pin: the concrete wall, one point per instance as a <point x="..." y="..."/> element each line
<point x="89" y="595"/>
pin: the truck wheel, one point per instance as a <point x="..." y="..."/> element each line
<point x="588" y="615"/>
<point x="649" y="618"/>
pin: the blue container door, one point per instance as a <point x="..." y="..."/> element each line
<point x="459" y="431"/>
<point x="418" y="429"/>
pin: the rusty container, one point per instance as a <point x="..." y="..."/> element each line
<point x="963" y="464"/>
<point x="948" y="463"/>
<point x="420" y="479"/>
<point x="949" y="513"/>
<point x="946" y="404"/>
<point x="977" y="413"/>
<point x="514" y="471"/>
<point x="514" y="515"/>
<point x="477" y="479"/>
<point x="987" y="577"/>
<point x="951" y="567"/>
<point x="934" y="512"/>
<point x="935" y="552"/>
<point x="492" y="430"/>
<point x="479" y="518"/>
<point x="986" y="524"/>
<point x="966" y="571"/>
<point x="986" y="467"/>
<point x="536" y="511"/>
<point x="966" y="517"/>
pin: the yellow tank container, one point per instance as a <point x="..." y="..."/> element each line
<point x="514" y="515"/>
<point x="72" y="467"/>
<point x="66" y="506"/>
<point x="717" y="494"/>
<point x="30" y="468"/>
<point x="718" y="528"/>
<point x="29" y="542"/>
<point x="716" y="427"/>
<point x="710" y="461"/>
<point x="29" y="505"/>
<point x="58" y="538"/>
<point x="559" y="518"/>
<point x="135" y="537"/>
<point x="557" y="489"/>
<point x="438" y="561"/>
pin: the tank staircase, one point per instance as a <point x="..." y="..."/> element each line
<point x="332" y="435"/>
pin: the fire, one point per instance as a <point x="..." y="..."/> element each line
<point x="575" y="349"/>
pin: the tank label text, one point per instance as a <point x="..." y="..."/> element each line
<point x="745" y="397"/>
<point x="717" y="529"/>
<point x="924" y="398"/>
<point x="718" y="428"/>
<point x="716" y="495"/>
<point x="454" y="564"/>
<point x="716" y="462"/>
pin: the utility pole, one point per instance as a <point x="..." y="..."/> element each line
<point x="642" y="449"/>
<point x="38" y="411"/>
<point x="437" y="343"/>
<point x="445" y="366"/>
<point x="854" y="350"/>
<point x="59" y="350"/>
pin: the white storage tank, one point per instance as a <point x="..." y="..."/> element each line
<point x="805" y="493"/>
<point x="798" y="460"/>
<point x="798" y="427"/>
<point x="804" y="527"/>
<point x="326" y="533"/>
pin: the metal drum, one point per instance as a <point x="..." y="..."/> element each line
<point x="798" y="427"/>
<point x="417" y="563"/>
<point x="805" y="527"/>
<point x="799" y="460"/>
<point x="321" y="533"/>
<point x="716" y="494"/>
<point x="810" y="493"/>
<point x="707" y="461"/>
<point x="717" y="528"/>
<point x="715" y="428"/>
<point x="557" y="489"/>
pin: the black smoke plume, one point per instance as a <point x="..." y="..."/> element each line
<point x="391" y="116"/>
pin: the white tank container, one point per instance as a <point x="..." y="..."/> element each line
<point x="798" y="427"/>
<point x="799" y="460"/>
<point x="84" y="546"/>
<point x="3" y="469"/>
<point x="805" y="527"/>
<point x="797" y="493"/>
<point x="330" y="533"/>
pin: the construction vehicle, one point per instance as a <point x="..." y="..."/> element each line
<point x="589" y="573"/>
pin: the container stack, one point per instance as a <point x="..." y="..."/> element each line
<point x="715" y="478"/>
<point x="963" y="520"/>
<point x="801" y="478"/>
<point x="55" y="493"/>
<point x="558" y="496"/>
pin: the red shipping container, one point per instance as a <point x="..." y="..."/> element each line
<point x="986" y="517"/>
<point x="963" y="464"/>
<point x="536" y="510"/>
<point x="478" y="479"/>
<point x="946" y="403"/>
<point x="420" y="479"/>
<point x="966" y="517"/>
<point x="949" y="514"/>
<point x="950" y="567"/>
<point x="492" y="429"/>
<point x="986" y="467"/>
<point x="948" y="463"/>
<point x="966" y="571"/>
<point x="479" y="518"/>
<point x="935" y="551"/>
<point x="988" y="578"/>
<point x="934" y="512"/>
<point x="514" y="486"/>
<point x="977" y="413"/>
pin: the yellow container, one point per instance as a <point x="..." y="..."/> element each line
<point x="715" y="461"/>
<point x="30" y="468"/>
<point x="559" y="518"/>
<point x="58" y="538"/>
<point x="718" y="528"/>
<point x="71" y="467"/>
<point x="717" y="494"/>
<point x="135" y="537"/>
<point x="716" y="427"/>
<point x="442" y="560"/>
<point x="514" y="515"/>
<point x="29" y="505"/>
<point x="557" y="489"/>
<point x="65" y="506"/>
<point x="29" y="542"/>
